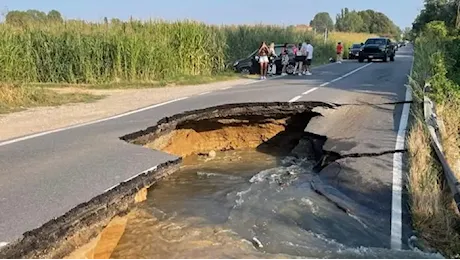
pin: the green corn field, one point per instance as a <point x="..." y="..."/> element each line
<point x="134" y="51"/>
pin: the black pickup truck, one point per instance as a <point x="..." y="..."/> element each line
<point x="377" y="48"/>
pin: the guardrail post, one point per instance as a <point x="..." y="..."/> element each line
<point x="433" y="126"/>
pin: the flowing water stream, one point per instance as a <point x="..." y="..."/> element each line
<point x="246" y="204"/>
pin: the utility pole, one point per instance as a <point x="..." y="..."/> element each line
<point x="325" y="35"/>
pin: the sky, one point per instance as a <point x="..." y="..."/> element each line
<point x="402" y="12"/>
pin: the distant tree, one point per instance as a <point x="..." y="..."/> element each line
<point x="54" y="16"/>
<point x="407" y="34"/>
<point x="20" y="18"/>
<point x="36" y="16"/>
<point x="15" y="18"/>
<point x="349" y="21"/>
<point x="322" y="21"/>
<point x="115" y="21"/>
<point x="367" y="21"/>
<point x="447" y="11"/>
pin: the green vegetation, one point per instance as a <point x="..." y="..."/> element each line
<point x="79" y="52"/>
<point x="437" y="57"/>
<point x="367" y="21"/>
<point x="22" y="18"/>
<point x="16" y="97"/>
<point x="40" y="49"/>
<point x="322" y="21"/>
<point x="114" y="51"/>
<point x="176" y="81"/>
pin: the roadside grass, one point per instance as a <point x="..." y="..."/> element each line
<point x="450" y="133"/>
<point x="348" y="39"/>
<point x="173" y="81"/>
<point x="432" y="209"/>
<point x="434" y="213"/>
<point x="15" y="97"/>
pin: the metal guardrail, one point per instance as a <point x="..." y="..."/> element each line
<point x="434" y="125"/>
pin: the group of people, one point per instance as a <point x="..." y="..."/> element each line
<point x="303" y="57"/>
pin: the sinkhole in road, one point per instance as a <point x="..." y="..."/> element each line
<point x="250" y="186"/>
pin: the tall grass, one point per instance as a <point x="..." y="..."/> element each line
<point x="348" y="39"/>
<point x="134" y="51"/>
<point x="14" y="97"/>
<point x="433" y="213"/>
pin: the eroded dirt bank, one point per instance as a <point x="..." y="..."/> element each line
<point x="264" y="126"/>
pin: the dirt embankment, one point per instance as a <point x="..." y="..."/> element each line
<point x="229" y="127"/>
<point x="221" y="135"/>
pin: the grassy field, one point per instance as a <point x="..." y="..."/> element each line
<point x="15" y="97"/>
<point x="433" y="211"/>
<point x="148" y="52"/>
<point x="135" y="54"/>
<point x="348" y="39"/>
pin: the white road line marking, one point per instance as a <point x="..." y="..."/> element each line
<point x="117" y="116"/>
<point x="280" y="76"/>
<point x="309" y="91"/>
<point x="88" y="123"/>
<point x="294" y="99"/>
<point x="346" y="75"/>
<point x="132" y="177"/>
<point x="204" y="93"/>
<point x="396" y="200"/>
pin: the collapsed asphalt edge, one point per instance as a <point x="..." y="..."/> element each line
<point x="53" y="239"/>
<point x="261" y="110"/>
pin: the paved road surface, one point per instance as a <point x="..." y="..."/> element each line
<point x="45" y="176"/>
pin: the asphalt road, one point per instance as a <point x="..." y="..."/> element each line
<point x="43" y="177"/>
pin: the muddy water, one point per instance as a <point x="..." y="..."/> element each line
<point x="245" y="204"/>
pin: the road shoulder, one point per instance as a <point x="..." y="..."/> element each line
<point x="117" y="101"/>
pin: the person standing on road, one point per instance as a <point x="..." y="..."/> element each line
<point x="284" y="59"/>
<point x="272" y="56"/>
<point x="299" y="59"/>
<point x="339" y="52"/>
<point x="309" y="59"/>
<point x="305" y="52"/>
<point x="263" y="59"/>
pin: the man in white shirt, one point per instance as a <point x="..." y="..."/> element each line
<point x="309" y="59"/>
<point x="303" y="50"/>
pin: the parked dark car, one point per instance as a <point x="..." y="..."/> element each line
<point x="353" y="52"/>
<point x="377" y="48"/>
<point x="250" y="64"/>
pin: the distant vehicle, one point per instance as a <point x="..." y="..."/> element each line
<point x="377" y="48"/>
<point x="353" y="52"/>
<point x="250" y="64"/>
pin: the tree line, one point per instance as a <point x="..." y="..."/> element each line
<point x="366" y="21"/>
<point x="32" y="16"/>
<point x="446" y="11"/>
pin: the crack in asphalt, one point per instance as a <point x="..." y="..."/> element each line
<point x="373" y="104"/>
<point x="329" y="157"/>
